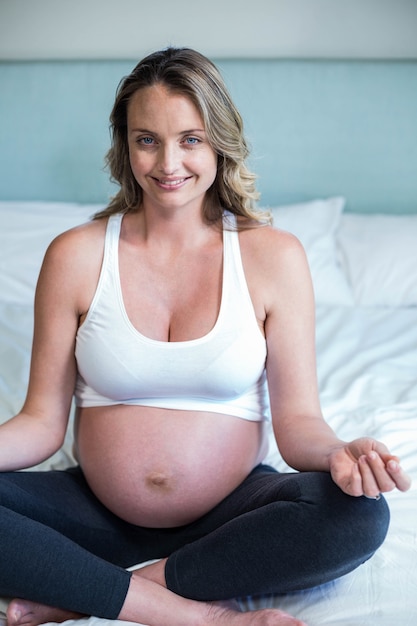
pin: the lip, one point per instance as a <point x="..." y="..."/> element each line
<point x="171" y="184"/>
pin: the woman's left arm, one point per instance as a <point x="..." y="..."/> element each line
<point x="305" y="440"/>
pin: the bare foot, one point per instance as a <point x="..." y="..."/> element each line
<point x="264" y="617"/>
<point x="149" y="602"/>
<point x="27" y="613"/>
<point x="226" y="612"/>
<point x="159" y="607"/>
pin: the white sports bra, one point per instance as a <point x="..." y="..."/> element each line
<point x="221" y="372"/>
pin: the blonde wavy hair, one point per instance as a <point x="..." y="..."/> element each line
<point x="187" y="72"/>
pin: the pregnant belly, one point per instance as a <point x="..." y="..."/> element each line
<point x="164" y="468"/>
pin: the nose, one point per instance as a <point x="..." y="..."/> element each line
<point x="169" y="158"/>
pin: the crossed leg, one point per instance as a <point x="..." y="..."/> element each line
<point x="147" y="599"/>
<point x="148" y="602"/>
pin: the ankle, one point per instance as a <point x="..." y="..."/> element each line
<point x="154" y="571"/>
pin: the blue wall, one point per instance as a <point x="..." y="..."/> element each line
<point x="317" y="128"/>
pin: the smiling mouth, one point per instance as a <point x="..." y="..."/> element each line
<point x="171" y="182"/>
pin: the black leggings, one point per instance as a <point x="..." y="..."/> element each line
<point x="275" y="533"/>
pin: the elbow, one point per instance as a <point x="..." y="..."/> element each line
<point x="54" y="442"/>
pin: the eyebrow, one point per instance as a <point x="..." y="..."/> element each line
<point x="152" y="132"/>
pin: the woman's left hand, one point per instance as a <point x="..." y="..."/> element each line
<point x="365" y="467"/>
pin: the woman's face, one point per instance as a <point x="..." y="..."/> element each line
<point x="170" y="156"/>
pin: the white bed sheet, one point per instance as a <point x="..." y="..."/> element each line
<point x="367" y="365"/>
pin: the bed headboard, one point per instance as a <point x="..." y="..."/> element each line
<point x="317" y="128"/>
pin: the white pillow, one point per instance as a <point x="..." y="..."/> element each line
<point x="379" y="253"/>
<point x="314" y="224"/>
<point x="27" y="228"/>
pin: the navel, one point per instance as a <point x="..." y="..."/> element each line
<point x="160" y="480"/>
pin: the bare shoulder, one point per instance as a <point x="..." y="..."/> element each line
<point x="271" y="248"/>
<point x="276" y="269"/>
<point x="81" y="241"/>
<point x="72" y="263"/>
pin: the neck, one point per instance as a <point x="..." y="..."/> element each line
<point x="178" y="228"/>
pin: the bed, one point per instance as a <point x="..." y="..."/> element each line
<point x="336" y="155"/>
<point x="365" y="279"/>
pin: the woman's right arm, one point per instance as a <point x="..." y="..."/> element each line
<point x="38" y="430"/>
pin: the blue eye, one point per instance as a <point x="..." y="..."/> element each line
<point x="192" y="141"/>
<point x="147" y="141"/>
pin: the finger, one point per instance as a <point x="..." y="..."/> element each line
<point x="401" y="479"/>
<point x="370" y="486"/>
<point x="381" y="449"/>
<point x="355" y="482"/>
<point x="389" y="457"/>
<point x="382" y="477"/>
<point x="350" y="483"/>
<point x="393" y="468"/>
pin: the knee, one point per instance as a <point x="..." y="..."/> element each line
<point x="362" y="523"/>
<point x="357" y="524"/>
<point x="352" y="531"/>
<point x="372" y="519"/>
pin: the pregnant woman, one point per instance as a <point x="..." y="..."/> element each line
<point x="182" y="322"/>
